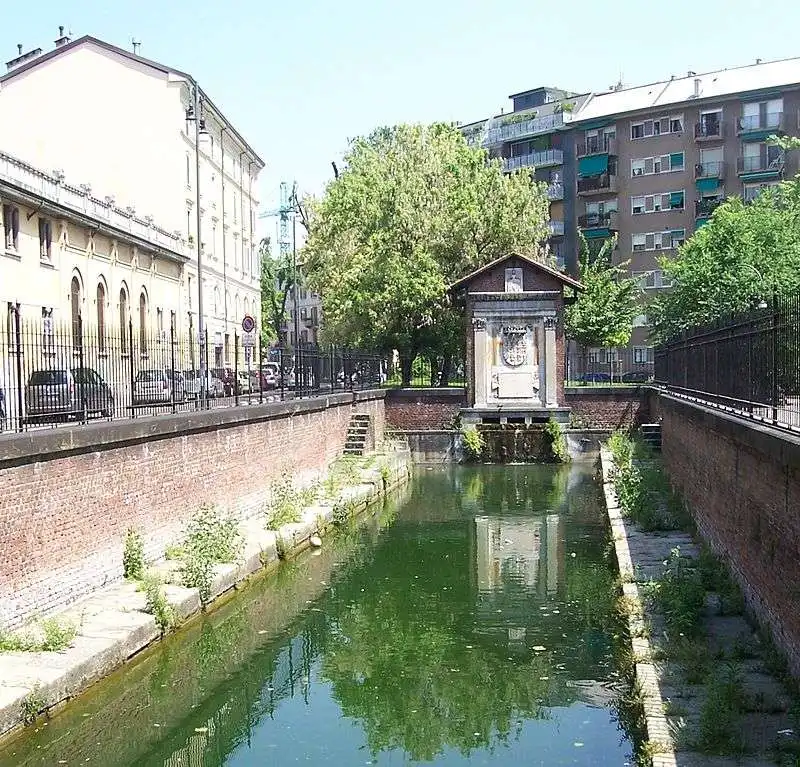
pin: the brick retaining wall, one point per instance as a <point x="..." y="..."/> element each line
<point x="422" y="409"/>
<point x="69" y="494"/>
<point x="608" y="407"/>
<point x="742" y="483"/>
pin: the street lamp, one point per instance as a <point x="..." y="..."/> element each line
<point x="194" y="113"/>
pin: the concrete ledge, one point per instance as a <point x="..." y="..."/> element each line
<point x="451" y="394"/>
<point x="612" y="392"/>
<point x="61" y="442"/>
<point x="113" y="625"/>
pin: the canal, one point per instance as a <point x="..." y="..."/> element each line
<point x="469" y="621"/>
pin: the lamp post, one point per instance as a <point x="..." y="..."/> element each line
<point x="193" y="113"/>
<point x="295" y="293"/>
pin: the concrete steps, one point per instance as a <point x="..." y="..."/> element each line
<point x="357" y="434"/>
<point x="651" y="435"/>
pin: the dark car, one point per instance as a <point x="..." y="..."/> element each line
<point x="67" y="392"/>
<point x="637" y="376"/>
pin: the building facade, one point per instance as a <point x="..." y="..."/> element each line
<point x="148" y="159"/>
<point x="650" y="163"/>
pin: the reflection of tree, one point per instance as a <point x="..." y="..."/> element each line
<point x="411" y="681"/>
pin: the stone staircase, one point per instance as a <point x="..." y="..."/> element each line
<point x="357" y="433"/>
<point x="651" y="435"/>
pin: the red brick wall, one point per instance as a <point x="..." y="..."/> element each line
<point x="607" y="407"/>
<point x="63" y="519"/>
<point x="422" y="409"/>
<point x="742" y="483"/>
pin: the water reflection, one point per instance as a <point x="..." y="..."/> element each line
<point x="475" y="627"/>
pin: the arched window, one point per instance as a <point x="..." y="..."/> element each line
<point x="101" y="317"/>
<point x="143" y="323"/>
<point x="75" y="306"/>
<point x="123" y="320"/>
<point x="217" y="302"/>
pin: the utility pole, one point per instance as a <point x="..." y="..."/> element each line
<point x="200" y="320"/>
<point x="295" y="292"/>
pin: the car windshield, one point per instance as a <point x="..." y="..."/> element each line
<point x="190" y="375"/>
<point x="48" y="378"/>
<point x="150" y="375"/>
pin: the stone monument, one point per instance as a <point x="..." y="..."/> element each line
<point x="515" y="340"/>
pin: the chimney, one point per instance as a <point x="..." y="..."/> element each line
<point x="62" y="38"/>
<point x="696" y="87"/>
<point x="758" y="61"/>
<point x="22" y="58"/>
<point x="690" y="73"/>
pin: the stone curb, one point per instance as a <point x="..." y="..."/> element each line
<point x="646" y="675"/>
<point x="114" y="626"/>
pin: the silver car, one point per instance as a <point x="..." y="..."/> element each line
<point x="158" y="386"/>
<point x="67" y="392"/>
<point x="214" y="386"/>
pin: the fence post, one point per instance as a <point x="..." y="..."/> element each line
<point x="172" y="359"/>
<point x="18" y="347"/>
<point x="774" y="357"/>
<point x="236" y="367"/>
<point x="130" y="363"/>
<point x="282" y="369"/>
<point x="260" y="371"/>
<point x="81" y="382"/>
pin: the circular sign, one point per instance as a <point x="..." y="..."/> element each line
<point x="248" y="324"/>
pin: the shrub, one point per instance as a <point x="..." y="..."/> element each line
<point x="58" y="635"/>
<point x="681" y="596"/>
<point x="157" y="605"/>
<point x="284" y="505"/>
<point x="133" y="555"/>
<point x="556" y="442"/>
<point x="473" y="442"/>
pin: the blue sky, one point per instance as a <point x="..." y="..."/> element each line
<point x="299" y="78"/>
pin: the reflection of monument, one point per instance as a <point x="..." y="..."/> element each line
<point x="515" y="340"/>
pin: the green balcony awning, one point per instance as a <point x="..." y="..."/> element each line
<point x="595" y="234"/>
<point x="707" y="184"/>
<point x="700" y="222"/>
<point x="675" y="198"/>
<point x="593" y="165"/>
<point x="676" y="160"/>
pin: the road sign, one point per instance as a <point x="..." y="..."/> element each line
<point x="249" y="340"/>
<point x="248" y="324"/>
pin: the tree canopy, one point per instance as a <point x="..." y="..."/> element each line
<point x="744" y="253"/>
<point x="604" y="311"/>
<point x="276" y="284"/>
<point x="413" y="209"/>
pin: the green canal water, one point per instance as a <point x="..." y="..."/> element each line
<point x="467" y="622"/>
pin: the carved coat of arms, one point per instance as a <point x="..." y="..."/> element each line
<point x="515" y="349"/>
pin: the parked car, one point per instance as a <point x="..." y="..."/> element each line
<point x="227" y="377"/>
<point x="637" y="376"/>
<point x="214" y="387"/>
<point x="67" y="392"/>
<point x="158" y="386"/>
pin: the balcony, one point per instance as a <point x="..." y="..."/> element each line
<point x="555" y="191"/>
<point x="762" y="164"/>
<point x="534" y="160"/>
<point x="606" y="220"/>
<point x="605" y="183"/>
<point x="515" y="126"/>
<point x="709" y="131"/>
<point x="704" y="208"/>
<point x="715" y="169"/>
<point x="556" y="228"/>
<point x="770" y="122"/>
<point x="53" y="189"/>
<point x="597" y="145"/>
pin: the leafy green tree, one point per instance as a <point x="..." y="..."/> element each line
<point x="413" y="209"/>
<point x="276" y="285"/>
<point x="744" y="254"/>
<point x="603" y="313"/>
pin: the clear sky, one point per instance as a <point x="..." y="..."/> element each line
<point x="298" y="78"/>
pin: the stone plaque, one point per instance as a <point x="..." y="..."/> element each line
<point x="515" y="347"/>
<point x="515" y="386"/>
<point x="514" y="280"/>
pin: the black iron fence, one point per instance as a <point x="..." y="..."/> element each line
<point x="603" y="367"/>
<point x="748" y="363"/>
<point x="427" y="371"/>
<point x="52" y="373"/>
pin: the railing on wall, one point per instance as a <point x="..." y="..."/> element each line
<point x="604" y="367"/>
<point x="748" y="363"/>
<point x="53" y="373"/>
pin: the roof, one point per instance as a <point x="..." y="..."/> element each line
<point x="679" y="90"/>
<point x="89" y="40"/>
<point x="564" y="278"/>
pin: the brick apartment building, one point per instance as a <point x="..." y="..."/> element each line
<point x="650" y="163"/>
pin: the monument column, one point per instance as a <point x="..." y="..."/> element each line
<point x="479" y="353"/>
<point x="550" y="363"/>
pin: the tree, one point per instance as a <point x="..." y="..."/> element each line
<point x="276" y="284"/>
<point x="603" y="313"/>
<point x="744" y="254"/>
<point x="414" y="209"/>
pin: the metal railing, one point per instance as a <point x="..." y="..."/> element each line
<point x="429" y="371"/>
<point x="603" y="367"/>
<point x="764" y="121"/>
<point x="709" y="130"/>
<point x="54" y="373"/>
<point x="514" y="127"/>
<point x="595" y="220"/>
<point x="605" y="182"/>
<point x="597" y="145"/>
<point x="556" y="228"/>
<point x="747" y="363"/>
<point x="704" y="208"/>
<point x="534" y="159"/>
<point x="555" y="191"/>
<point x="760" y="163"/>
<point x="714" y="169"/>
<point x="80" y="200"/>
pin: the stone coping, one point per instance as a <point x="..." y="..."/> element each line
<point x="63" y="441"/>
<point x="658" y="730"/>
<point x="113" y="626"/>
<point x="620" y="391"/>
<point x="426" y="392"/>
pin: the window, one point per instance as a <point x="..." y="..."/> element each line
<point x="142" y="323"/>
<point x="188" y="171"/>
<point x="761" y="114"/>
<point x="45" y="239"/>
<point x="676" y="200"/>
<point x="75" y="311"/>
<point x="123" y="320"/>
<point x="637" y="167"/>
<point x="666" y="240"/>
<point x="611" y="355"/>
<point x="710" y="123"/>
<point x="637" y="205"/>
<point x="101" y="316"/>
<point x="664" y="163"/>
<point x="640" y="321"/>
<point x="235" y="209"/>
<point x="657" y="127"/>
<point x="751" y="191"/>
<point x="595" y="355"/>
<point x="639" y="241"/>
<point x="642" y="355"/>
<point x="651" y="280"/>
<point x="653" y="203"/>
<point x="11" y="226"/>
<point x="160" y="324"/>
<point x="677" y="237"/>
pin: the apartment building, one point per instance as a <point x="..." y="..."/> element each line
<point x="652" y="162"/>
<point x="111" y="119"/>
<point x="537" y="135"/>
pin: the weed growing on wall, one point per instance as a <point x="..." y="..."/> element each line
<point x="32" y="704"/>
<point x="283" y="507"/>
<point x="473" y="443"/>
<point x="157" y="605"/>
<point x="681" y="596"/>
<point x="556" y="442"/>
<point x="133" y="555"/>
<point x="720" y="716"/>
<point x="53" y="635"/>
